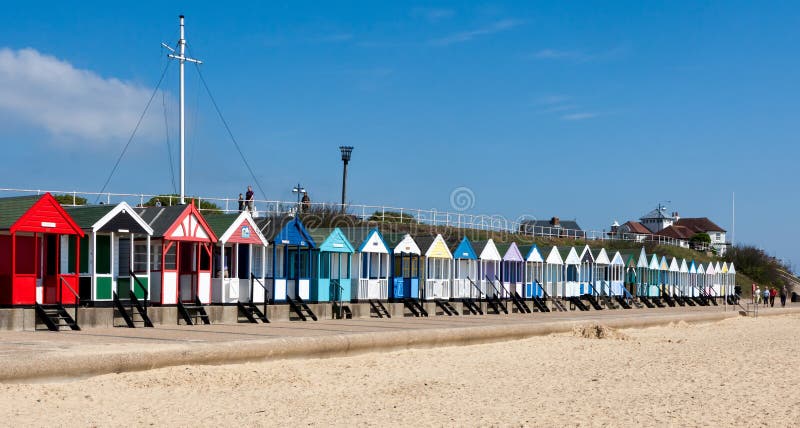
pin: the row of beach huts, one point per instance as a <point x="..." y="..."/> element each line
<point x="111" y="255"/>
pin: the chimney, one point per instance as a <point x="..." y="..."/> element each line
<point x="555" y="222"/>
<point x="676" y="216"/>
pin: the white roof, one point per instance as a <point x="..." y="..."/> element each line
<point x="684" y="266"/>
<point x="125" y="208"/>
<point x="554" y="258"/>
<point x="572" y="257"/>
<point x="602" y="258"/>
<point x="585" y="250"/>
<point x="732" y="269"/>
<point x="710" y="269"/>
<point x="701" y="269"/>
<point x="642" y="262"/>
<point x="373" y="244"/>
<point x="673" y="265"/>
<point x="618" y="260"/>
<point x="407" y="246"/>
<point x="490" y="252"/>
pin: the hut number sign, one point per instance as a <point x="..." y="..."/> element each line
<point x="245" y="232"/>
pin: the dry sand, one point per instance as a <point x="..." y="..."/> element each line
<point x="719" y="374"/>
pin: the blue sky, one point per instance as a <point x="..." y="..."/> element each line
<point x="587" y="110"/>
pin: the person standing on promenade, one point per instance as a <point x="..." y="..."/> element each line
<point x="766" y="296"/>
<point x="757" y="295"/>
<point x="241" y="202"/>
<point x="783" y="296"/>
<point x="772" y="293"/>
<point x="249" y="197"/>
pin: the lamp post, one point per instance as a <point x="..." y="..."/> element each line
<point x="346" y="152"/>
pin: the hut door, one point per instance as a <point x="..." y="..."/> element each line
<point x="187" y="272"/>
<point x="49" y="269"/>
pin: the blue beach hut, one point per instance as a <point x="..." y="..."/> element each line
<point x="330" y="280"/>
<point x="465" y="271"/>
<point x="288" y="270"/>
<point x="534" y="271"/>
<point x="405" y="265"/>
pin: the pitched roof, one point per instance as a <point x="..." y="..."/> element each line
<point x="546" y="225"/>
<point x="676" y="231"/>
<point x="700" y="225"/>
<point x="656" y="214"/>
<point x="636" y="227"/>
<point x="220" y="223"/>
<point x="117" y="217"/>
<point x="11" y="209"/>
<point x="160" y="218"/>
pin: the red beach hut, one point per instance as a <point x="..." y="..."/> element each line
<point x="35" y="264"/>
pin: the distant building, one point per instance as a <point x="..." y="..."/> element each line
<point x="554" y="227"/>
<point x="704" y="225"/>
<point x="633" y="230"/>
<point x="657" y="220"/>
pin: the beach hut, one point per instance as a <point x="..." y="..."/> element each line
<point x="331" y="266"/>
<point x="181" y="253"/>
<point x="732" y="280"/>
<point x="35" y="234"/>
<point x="663" y="276"/>
<point x="642" y="274"/>
<point x="512" y="269"/>
<point x="239" y="259"/>
<point x="554" y="274"/>
<point x="586" y="272"/>
<point x="711" y="277"/>
<point x="465" y="271"/>
<point x="371" y="267"/>
<point x="724" y="280"/>
<point x="693" y="280"/>
<point x="683" y="283"/>
<point x="616" y="274"/>
<point x="115" y="253"/>
<point x="406" y="267"/>
<point x="717" y="287"/>
<point x="488" y="268"/>
<point x="602" y="274"/>
<point x="674" y="277"/>
<point x="438" y="267"/>
<point x="534" y="271"/>
<point x="701" y="280"/>
<point x="572" y="277"/>
<point x="653" y="276"/>
<point x="289" y="264"/>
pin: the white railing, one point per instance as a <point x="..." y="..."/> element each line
<point x="462" y="289"/>
<point x="354" y="213"/>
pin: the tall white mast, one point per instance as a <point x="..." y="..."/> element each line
<point x="182" y="58"/>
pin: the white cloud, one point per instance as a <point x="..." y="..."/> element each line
<point x="581" y="56"/>
<point x="466" y="36"/>
<point x="73" y="105"/>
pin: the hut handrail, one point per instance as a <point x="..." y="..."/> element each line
<point x="481" y="294"/>
<point x="497" y="292"/>
<point x="64" y="282"/>
<point x="145" y="293"/>
<point x="256" y="280"/>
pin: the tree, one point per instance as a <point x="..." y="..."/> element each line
<point x="173" y="199"/>
<point x="70" y="200"/>
<point x="700" y="240"/>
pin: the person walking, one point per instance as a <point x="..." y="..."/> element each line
<point x="249" y="197"/>
<point x="241" y="202"/>
<point x="783" y="296"/>
<point x="772" y="293"/>
<point x="305" y="203"/>
<point x="757" y="295"/>
<point x="766" y="296"/>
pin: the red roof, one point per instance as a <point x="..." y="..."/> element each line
<point x="700" y="224"/>
<point x="677" y="232"/>
<point x="636" y="227"/>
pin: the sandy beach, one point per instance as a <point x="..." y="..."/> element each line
<point x="727" y="373"/>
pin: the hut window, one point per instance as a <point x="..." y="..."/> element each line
<point x="155" y="257"/>
<point x="171" y="258"/>
<point x="205" y="259"/>
<point x="140" y="258"/>
<point x="25" y="261"/>
<point x="324" y="266"/>
<point x="258" y="260"/>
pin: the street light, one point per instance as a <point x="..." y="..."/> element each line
<point x="346" y="152"/>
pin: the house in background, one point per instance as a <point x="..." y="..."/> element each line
<point x="630" y="230"/>
<point x="554" y="227"/>
<point x="657" y="220"/>
<point x="704" y="225"/>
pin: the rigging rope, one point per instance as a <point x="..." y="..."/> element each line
<point x="133" y="134"/>
<point x="169" y="146"/>
<point x="228" y="129"/>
